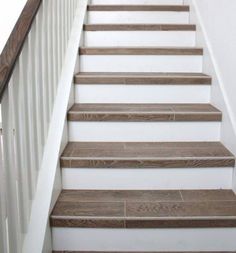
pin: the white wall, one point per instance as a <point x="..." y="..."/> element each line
<point x="9" y="13"/>
<point x="216" y="32"/>
<point x="219" y="18"/>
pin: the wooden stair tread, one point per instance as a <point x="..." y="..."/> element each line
<point x="146" y="155"/>
<point x="139" y="27"/>
<point x="106" y="7"/>
<point x="144" y="112"/>
<point x="140" y="51"/>
<point x="145" y="209"/>
<point x="141" y="78"/>
<point x="142" y="251"/>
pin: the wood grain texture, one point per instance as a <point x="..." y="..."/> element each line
<point x="139" y="27"/>
<point x="140" y="51"/>
<point x="133" y="195"/>
<point x="144" y="112"/>
<point x="144" y="209"/>
<point x="146" y="155"/>
<point x="15" y="43"/>
<point x="142" y="252"/>
<point x="173" y="8"/>
<point x="143" y="78"/>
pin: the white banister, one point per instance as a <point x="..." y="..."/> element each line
<point x="28" y="109"/>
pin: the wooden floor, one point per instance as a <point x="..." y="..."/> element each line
<point x="145" y="209"/>
<point x="146" y="155"/>
<point x="117" y="7"/>
<point x="140" y="51"/>
<point x="142" y="78"/>
<point x="139" y="27"/>
<point x="143" y="252"/>
<point x="144" y="112"/>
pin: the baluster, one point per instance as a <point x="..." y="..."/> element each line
<point x="20" y="217"/>
<point x="65" y="26"/>
<point x="58" y="39"/>
<point x="45" y="66"/>
<point x="29" y="90"/>
<point x="3" y="213"/>
<point x="11" y="196"/>
<point x="69" y="15"/>
<point x="24" y="120"/>
<point x="49" y="57"/>
<point x="54" y="48"/>
<point x="19" y="151"/>
<point x="33" y="97"/>
<point x="38" y="86"/>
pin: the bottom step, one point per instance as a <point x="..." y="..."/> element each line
<point x="171" y="220"/>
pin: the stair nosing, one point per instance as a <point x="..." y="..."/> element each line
<point x="211" y="155"/>
<point x="184" y="51"/>
<point x="124" y="79"/>
<point x="139" y="27"/>
<point x="139" y="7"/>
<point x="121" y="209"/>
<point x="144" y="113"/>
<point x="147" y="158"/>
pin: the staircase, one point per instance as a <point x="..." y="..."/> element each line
<point x="144" y="169"/>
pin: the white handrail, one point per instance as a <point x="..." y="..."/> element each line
<point x="27" y="111"/>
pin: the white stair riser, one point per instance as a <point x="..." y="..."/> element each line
<point x="146" y="179"/>
<point x="157" y="2"/>
<point x="193" y="239"/>
<point x="140" y="63"/>
<point x="142" y="93"/>
<point x="144" y="131"/>
<point x="139" y="38"/>
<point x="135" y="17"/>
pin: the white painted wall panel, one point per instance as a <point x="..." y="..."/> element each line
<point x="147" y="179"/>
<point x="139" y="38"/>
<point x="142" y="93"/>
<point x="144" y="131"/>
<point x="123" y="17"/>
<point x="221" y="239"/>
<point x="140" y="63"/>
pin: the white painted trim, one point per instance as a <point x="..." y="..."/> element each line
<point x="151" y="131"/>
<point x="146" y="178"/>
<point x="138" y="17"/>
<point x="219" y="95"/>
<point x="141" y="63"/>
<point x="140" y="39"/>
<point x="118" y="93"/>
<point x="186" y="239"/>
<point x="34" y="240"/>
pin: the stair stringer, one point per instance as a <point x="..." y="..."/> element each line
<point x="38" y="237"/>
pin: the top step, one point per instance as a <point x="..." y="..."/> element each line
<point x="109" y="7"/>
<point x="135" y="2"/>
